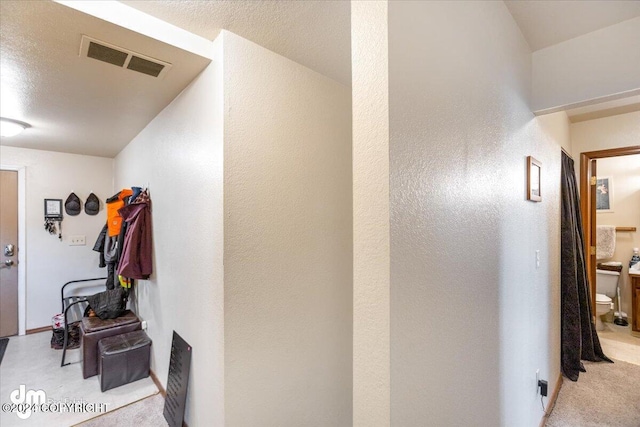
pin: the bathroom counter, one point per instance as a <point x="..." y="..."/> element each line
<point x="635" y="301"/>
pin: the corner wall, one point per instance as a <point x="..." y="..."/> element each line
<point x="472" y="318"/>
<point x="593" y="66"/>
<point x="51" y="263"/>
<point x="179" y="157"/>
<point x="371" y="240"/>
<point x="470" y="311"/>
<point x="287" y="242"/>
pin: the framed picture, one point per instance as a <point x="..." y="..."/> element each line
<point x="53" y="208"/>
<point x="534" y="170"/>
<point x="604" y="194"/>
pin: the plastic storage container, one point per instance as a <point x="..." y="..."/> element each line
<point x="635" y="258"/>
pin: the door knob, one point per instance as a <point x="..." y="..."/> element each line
<point x="9" y="250"/>
<point x="7" y="263"/>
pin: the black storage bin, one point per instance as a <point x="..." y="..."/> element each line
<point x="123" y="359"/>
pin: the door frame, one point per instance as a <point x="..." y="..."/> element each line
<point x="587" y="206"/>
<point x="22" y="246"/>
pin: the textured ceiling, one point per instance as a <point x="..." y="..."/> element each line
<point x="545" y="23"/>
<point x="605" y="109"/>
<point x="316" y="34"/>
<point x="87" y="107"/>
<point x="79" y="105"/>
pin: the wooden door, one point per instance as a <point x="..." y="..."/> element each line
<point x="636" y="314"/>
<point x="588" y="169"/>
<point x="8" y="253"/>
<point x="635" y="303"/>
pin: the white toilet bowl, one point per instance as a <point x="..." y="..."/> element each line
<point x="604" y="305"/>
<point x="606" y="286"/>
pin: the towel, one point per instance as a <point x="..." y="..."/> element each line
<point x="605" y="241"/>
<point x="612" y="263"/>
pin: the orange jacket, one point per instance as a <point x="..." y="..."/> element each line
<point x="114" y="220"/>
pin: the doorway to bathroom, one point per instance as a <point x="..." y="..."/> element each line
<point x="588" y="206"/>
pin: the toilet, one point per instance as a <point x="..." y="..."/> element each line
<point x="606" y="286"/>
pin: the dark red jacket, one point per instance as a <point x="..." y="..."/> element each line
<point x="136" y="260"/>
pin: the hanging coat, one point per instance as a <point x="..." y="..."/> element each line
<point x="114" y="203"/>
<point x="99" y="246"/>
<point x="136" y="261"/>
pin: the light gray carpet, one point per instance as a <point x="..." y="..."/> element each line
<point x="607" y="395"/>
<point x="143" y="413"/>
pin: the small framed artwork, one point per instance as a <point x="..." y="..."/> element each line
<point x="534" y="170"/>
<point x="604" y="194"/>
<point x="53" y="208"/>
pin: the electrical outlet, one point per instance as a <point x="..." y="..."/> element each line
<point x="537" y="258"/>
<point x="544" y="387"/>
<point x="537" y="380"/>
<point x="77" y="240"/>
<point x="144" y="325"/>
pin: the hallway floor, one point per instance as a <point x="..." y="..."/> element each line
<point x="618" y="343"/>
<point x="616" y="386"/>
<point x="30" y="361"/>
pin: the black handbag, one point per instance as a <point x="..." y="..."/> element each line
<point x="109" y="304"/>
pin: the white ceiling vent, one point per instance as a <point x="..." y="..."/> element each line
<point x="123" y="58"/>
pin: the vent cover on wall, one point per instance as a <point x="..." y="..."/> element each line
<point x="121" y="57"/>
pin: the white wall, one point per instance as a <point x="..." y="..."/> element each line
<point x="272" y="332"/>
<point x="471" y="316"/>
<point x="50" y="262"/>
<point x="614" y="132"/>
<point x="618" y="131"/>
<point x="558" y="126"/>
<point x="371" y="262"/>
<point x="592" y="66"/>
<point x="288" y="242"/>
<point x="179" y="156"/>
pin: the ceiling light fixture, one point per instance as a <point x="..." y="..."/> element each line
<point x="9" y="127"/>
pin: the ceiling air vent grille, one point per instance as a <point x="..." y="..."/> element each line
<point x="106" y="54"/>
<point x="141" y="65"/>
<point x="121" y="57"/>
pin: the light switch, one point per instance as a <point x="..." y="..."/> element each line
<point x="77" y="240"/>
<point x="537" y="258"/>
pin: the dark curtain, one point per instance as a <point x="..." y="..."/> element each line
<point x="579" y="340"/>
